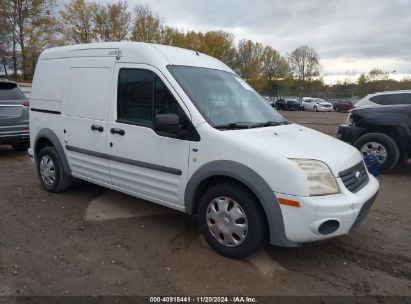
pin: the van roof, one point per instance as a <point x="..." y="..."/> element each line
<point x="137" y="52"/>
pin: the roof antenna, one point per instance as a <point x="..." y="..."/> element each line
<point x="197" y="53"/>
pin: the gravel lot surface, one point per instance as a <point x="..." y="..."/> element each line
<point x="91" y="241"/>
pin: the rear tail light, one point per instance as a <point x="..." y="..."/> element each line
<point x="26" y="104"/>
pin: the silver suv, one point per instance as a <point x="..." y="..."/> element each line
<point x="384" y="99"/>
<point x="14" y="116"/>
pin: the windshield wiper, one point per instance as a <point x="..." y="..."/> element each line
<point x="233" y="125"/>
<point x="269" y="124"/>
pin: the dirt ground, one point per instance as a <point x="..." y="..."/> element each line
<point x="91" y="241"/>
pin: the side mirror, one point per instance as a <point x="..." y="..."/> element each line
<point x="167" y="123"/>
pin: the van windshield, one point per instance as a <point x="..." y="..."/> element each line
<point x="224" y="99"/>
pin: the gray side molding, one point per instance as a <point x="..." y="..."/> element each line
<point x="52" y="137"/>
<point x="254" y="182"/>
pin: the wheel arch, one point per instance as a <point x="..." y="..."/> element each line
<point x="46" y="137"/>
<point x="224" y="170"/>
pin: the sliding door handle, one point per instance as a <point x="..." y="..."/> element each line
<point x="97" y="128"/>
<point x="117" y="131"/>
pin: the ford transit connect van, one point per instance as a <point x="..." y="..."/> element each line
<point x="181" y="129"/>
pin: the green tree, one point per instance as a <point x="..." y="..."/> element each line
<point x="220" y="45"/>
<point x="377" y="75"/>
<point x="172" y="36"/>
<point x="248" y="63"/>
<point x="274" y="67"/>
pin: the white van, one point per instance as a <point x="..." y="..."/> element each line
<point x="181" y="129"/>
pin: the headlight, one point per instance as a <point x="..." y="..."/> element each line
<point x="348" y="120"/>
<point x="319" y="177"/>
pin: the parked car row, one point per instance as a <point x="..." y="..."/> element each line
<point x="311" y="104"/>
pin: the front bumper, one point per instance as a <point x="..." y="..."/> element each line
<point x="324" y="109"/>
<point x="301" y="224"/>
<point x="348" y="133"/>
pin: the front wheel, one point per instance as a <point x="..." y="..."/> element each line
<point x="50" y="170"/>
<point x="231" y="220"/>
<point x="315" y="109"/>
<point x="383" y="147"/>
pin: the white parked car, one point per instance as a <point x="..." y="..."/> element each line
<point x="181" y="129"/>
<point x="388" y="98"/>
<point x="316" y="105"/>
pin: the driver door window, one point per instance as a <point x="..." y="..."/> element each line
<point x="141" y="95"/>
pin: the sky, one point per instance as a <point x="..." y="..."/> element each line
<point x="350" y="36"/>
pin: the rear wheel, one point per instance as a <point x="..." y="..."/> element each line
<point x="50" y="170"/>
<point x="231" y="220"/>
<point x="383" y="147"/>
<point x="21" y="146"/>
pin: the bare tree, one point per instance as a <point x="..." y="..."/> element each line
<point x="112" y="22"/>
<point x="22" y="16"/>
<point x="147" y="26"/>
<point x="304" y="62"/>
<point x="273" y="64"/>
<point x="119" y="20"/>
<point x="77" y="21"/>
<point x="5" y="37"/>
<point x="101" y="27"/>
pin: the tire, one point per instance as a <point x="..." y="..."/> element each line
<point x="337" y="109"/>
<point x="391" y="148"/>
<point x="21" y="146"/>
<point x="315" y="109"/>
<point x="255" y="229"/>
<point x="61" y="180"/>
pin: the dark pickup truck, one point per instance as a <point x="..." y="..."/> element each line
<point x="14" y="116"/>
<point x="384" y="132"/>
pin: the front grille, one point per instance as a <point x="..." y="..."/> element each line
<point x="355" y="178"/>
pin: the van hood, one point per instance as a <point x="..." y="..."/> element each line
<point x="295" y="141"/>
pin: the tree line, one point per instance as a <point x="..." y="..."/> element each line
<point x="30" y="26"/>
